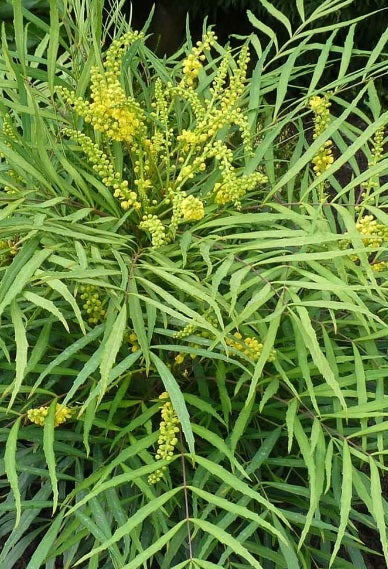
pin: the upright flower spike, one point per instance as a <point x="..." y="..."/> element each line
<point x="192" y="65"/>
<point x="111" y="111"/>
<point x="168" y="430"/>
<point x="324" y="157"/>
<point x="105" y="169"/>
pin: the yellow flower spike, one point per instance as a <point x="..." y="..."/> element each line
<point x="168" y="430"/>
<point x="324" y="157"/>
<point x="180" y="358"/>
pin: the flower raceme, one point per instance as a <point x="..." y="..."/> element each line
<point x="165" y="161"/>
<point x="168" y="430"/>
<point x="324" y="157"/>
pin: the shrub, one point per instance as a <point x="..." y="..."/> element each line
<point x="192" y="298"/>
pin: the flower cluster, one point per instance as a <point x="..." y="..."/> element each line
<point x="168" y="429"/>
<point x="376" y="232"/>
<point x="192" y="65"/>
<point x="324" y="157"/>
<point x="105" y="169"/>
<point x="379" y="266"/>
<point x="373" y="235"/>
<point x="233" y="188"/>
<point x="8" y="250"/>
<point x="376" y="155"/>
<point x="111" y="111"/>
<point x="131" y="338"/>
<point x="249" y="346"/>
<point x="39" y="414"/>
<point x="192" y="209"/>
<point x="9" y="132"/>
<point x="165" y="161"/>
<point x="93" y="304"/>
<point x="156" y="228"/>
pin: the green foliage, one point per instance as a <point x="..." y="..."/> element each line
<point x="263" y="318"/>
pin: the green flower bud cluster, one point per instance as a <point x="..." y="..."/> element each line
<point x="376" y="156"/>
<point x="156" y="228"/>
<point x="93" y="304"/>
<point x="38" y="415"/>
<point x="249" y="346"/>
<point x="378" y="147"/>
<point x="188" y="330"/>
<point x="9" y="132"/>
<point x="168" y="430"/>
<point x="233" y="188"/>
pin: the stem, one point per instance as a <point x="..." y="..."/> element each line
<point x="186" y="498"/>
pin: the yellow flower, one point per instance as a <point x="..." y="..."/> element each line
<point x="38" y="415"/>
<point x="192" y="209"/>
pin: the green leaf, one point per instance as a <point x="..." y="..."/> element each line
<point x="290" y="418"/>
<point x="48" y="449"/>
<point x="300" y="8"/>
<point x="156" y="547"/>
<point x="378" y="506"/>
<point x="136" y="314"/>
<point x="319" y="358"/>
<point x="346" y="498"/>
<point x="111" y="349"/>
<point x="136" y="519"/>
<point x="41" y="552"/>
<point x="19" y="273"/>
<point x="278" y="15"/>
<point x="239" y="511"/>
<point x="10" y="467"/>
<point x="223" y="537"/>
<point x="46" y="305"/>
<point x="263" y="28"/>
<point x="21" y="351"/>
<point x="238" y="485"/>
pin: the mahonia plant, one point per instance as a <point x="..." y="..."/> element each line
<point x="168" y="430"/>
<point x="160" y="182"/>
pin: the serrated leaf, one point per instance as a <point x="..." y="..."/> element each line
<point x="48" y="449"/>
<point x="46" y="305"/>
<point x="10" y="467"/>
<point x="346" y="498"/>
<point x="111" y="349"/>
